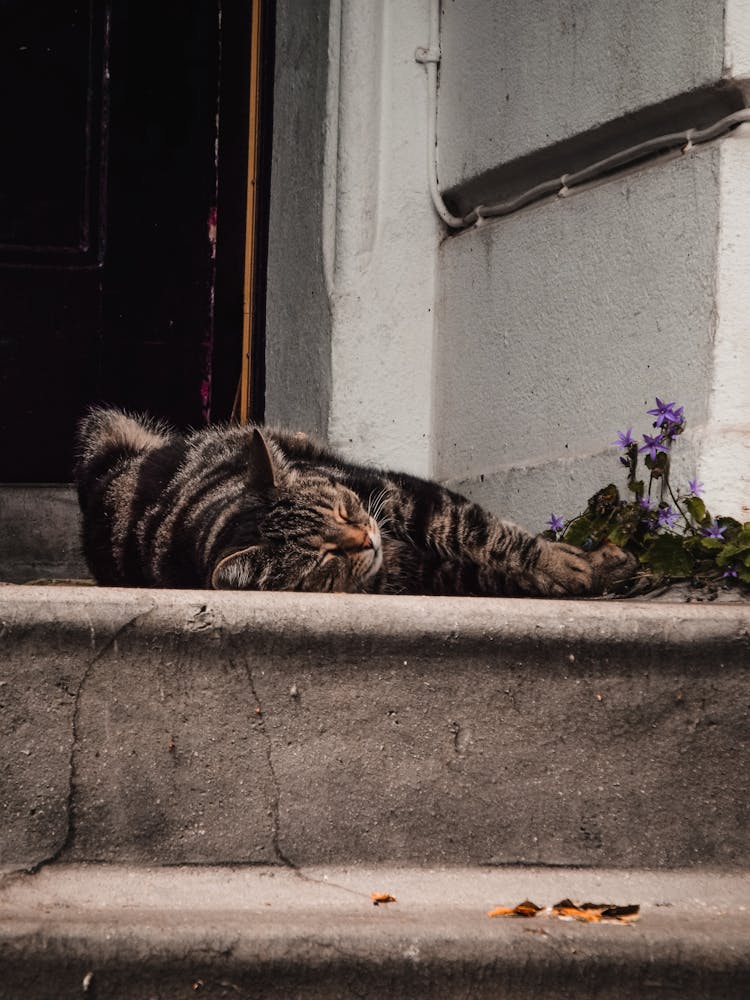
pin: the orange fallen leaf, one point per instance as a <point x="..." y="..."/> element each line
<point x="623" y="914"/>
<point x="576" y="913"/>
<point x="594" y="912"/>
<point x="524" y="909"/>
<point x="381" y="897"/>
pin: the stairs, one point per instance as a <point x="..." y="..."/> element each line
<point x="201" y="790"/>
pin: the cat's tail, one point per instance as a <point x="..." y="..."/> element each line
<point x="106" y="435"/>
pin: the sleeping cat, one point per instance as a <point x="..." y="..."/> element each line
<point x="242" y="507"/>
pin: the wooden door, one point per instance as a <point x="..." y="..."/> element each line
<point x="123" y="186"/>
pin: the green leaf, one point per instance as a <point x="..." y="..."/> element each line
<point x="732" y="527"/>
<point x="666" y="556"/>
<point x="733" y="553"/>
<point x="620" y="535"/>
<point x="694" y="545"/>
<point x="697" y="509"/>
<point x="727" y="554"/>
<point x="636" y="486"/>
<point x="579" y="531"/>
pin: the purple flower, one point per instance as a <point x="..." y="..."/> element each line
<point x="668" y="517"/>
<point x="555" y="523"/>
<point x="714" y="531"/>
<point x="645" y="503"/>
<point x="653" y="445"/>
<point x="623" y="440"/>
<point x="665" y="414"/>
<point x="730" y="571"/>
<point x="695" y="487"/>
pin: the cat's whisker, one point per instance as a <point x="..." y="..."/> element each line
<point x="378" y="503"/>
<point x="373" y="500"/>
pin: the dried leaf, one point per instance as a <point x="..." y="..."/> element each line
<point x="524" y="909"/>
<point x="381" y="897"/>
<point x="623" y="914"/>
<point x="595" y="912"/>
<point x="566" y="909"/>
<point x="576" y="913"/>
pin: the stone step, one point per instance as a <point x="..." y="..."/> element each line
<point x="164" y="727"/>
<point x="40" y="533"/>
<point x="73" y="931"/>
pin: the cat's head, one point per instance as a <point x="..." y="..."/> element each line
<point x="314" y="533"/>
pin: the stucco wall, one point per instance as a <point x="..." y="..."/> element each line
<point x="559" y="324"/>
<point x="298" y="323"/>
<point x="557" y="327"/>
<point x="504" y="359"/>
<point x="383" y="239"/>
<point x="519" y="76"/>
<point x="353" y="233"/>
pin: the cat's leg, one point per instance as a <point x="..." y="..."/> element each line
<point x="486" y="555"/>
<point x="561" y="569"/>
<point x="512" y="561"/>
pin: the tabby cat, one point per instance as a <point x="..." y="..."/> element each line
<point x="250" y="508"/>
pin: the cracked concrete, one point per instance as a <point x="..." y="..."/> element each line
<point x="269" y="757"/>
<point x="191" y="727"/>
<point x="175" y="755"/>
<point x="40" y="704"/>
<point x="110" y="643"/>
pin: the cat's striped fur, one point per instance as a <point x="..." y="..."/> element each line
<point x="245" y="508"/>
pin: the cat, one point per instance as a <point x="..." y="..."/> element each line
<point x="245" y="507"/>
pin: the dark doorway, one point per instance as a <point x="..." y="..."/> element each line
<point x="122" y="216"/>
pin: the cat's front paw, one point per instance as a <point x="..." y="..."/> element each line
<point x="565" y="571"/>
<point x="612" y="568"/>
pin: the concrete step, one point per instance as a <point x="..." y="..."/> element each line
<point x="75" y="931"/>
<point x="40" y="533"/>
<point x="163" y="727"/>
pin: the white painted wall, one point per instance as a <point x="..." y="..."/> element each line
<point x="383" y="240"/>
<point x="504" y="359"/>
<point x="559" y="325"/>
<point x="368" y="231"/>
<point x="298" y="320"/>
<point x="521" y="75"/>
<point x="725" y="444"/>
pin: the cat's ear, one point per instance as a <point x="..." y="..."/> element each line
<point x="262" y="472"/>
<point x="238" y="570"/>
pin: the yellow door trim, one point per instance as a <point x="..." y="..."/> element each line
<point x="245" y="400"/>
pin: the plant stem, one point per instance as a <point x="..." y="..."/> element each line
<point x="684" y="515"/>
